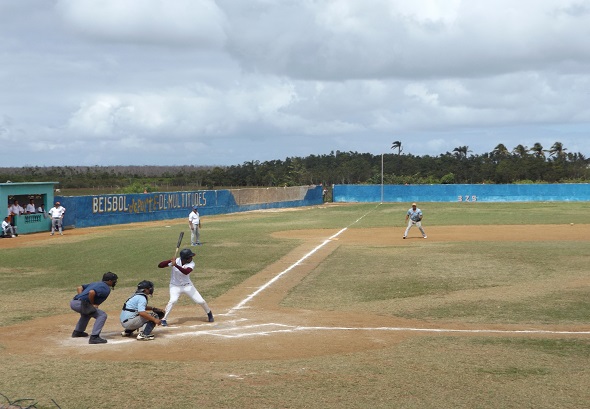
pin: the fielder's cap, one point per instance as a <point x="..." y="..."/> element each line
<point x="414" y="204"/>
<point x="195" y="207"/>
<point x="109" y="276"/>
<point x="56" y="202"/>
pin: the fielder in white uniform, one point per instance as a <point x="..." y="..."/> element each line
<point x="194" y="223"/>
<point x="180" y="283"/>
<point x="414" y="218"/>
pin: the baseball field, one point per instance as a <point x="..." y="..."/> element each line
<point x="316" y="307"/>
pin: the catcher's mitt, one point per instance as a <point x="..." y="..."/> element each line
<point x="160" y="313"/>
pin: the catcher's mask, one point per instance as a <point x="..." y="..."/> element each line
<point x="110" y="277"/>
<point x="185" y="254"/>
<point x="146" y="285"/>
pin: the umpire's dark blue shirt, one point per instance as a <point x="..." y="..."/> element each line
<point x="101" y="289"/>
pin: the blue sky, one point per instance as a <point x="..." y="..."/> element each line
<point x="202" y="82"/>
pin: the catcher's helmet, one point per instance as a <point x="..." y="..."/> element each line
<point x="146" y="285"/>
<point x="186" y="253"/>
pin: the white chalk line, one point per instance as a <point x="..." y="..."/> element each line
<point x="282" y="273"/>
<point x="261" y="330"/>
<point x="292" y="266"/>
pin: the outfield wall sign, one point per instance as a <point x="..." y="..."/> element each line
<point x="147" y="202"/>
<point x="101" y="210"/>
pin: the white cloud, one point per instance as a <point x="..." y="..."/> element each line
<point x="265" y="79"/>
<point x="163" y="22"/>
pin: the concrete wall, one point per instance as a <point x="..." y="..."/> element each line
<point x="101" y="210"/>
<point x="462" y="193"/>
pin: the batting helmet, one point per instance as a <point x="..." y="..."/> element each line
<point x="186" y="253"/>
<point x="146" y="285"/>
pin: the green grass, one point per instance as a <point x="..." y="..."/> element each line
<point x="457" y="283"/>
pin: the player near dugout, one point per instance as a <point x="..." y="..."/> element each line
<point x="414" y="218"/>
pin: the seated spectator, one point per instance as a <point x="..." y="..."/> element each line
<point x="16" y="209"/>
<point x="41" y="209"/>
<point x="31" y="207"/>
<point x="7" y="229"/>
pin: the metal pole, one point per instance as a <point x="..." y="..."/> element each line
<point x="381" y="178"/>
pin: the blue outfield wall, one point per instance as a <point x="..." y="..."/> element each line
<point x="102" y="210"/>
<point x="462" y="193"/>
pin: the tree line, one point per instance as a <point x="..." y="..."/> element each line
<point x="500" y="166"/>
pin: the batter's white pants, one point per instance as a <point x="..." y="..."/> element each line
<point x="417" y="224"/>
<point x="191" y="291"/>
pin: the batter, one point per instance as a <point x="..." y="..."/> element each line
<point x="180" y="283"/>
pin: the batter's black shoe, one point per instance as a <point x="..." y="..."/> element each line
<point x="79" y="334"/>
<point x="210" y="316"/>
<point x="96" y="339"/>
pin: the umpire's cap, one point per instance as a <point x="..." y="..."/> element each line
<point x="186" y="253"/>
<point x="110" y="276"/>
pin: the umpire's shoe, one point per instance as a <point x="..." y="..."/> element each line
<point x="96" y="339"/>
<point x="79" y="334"/>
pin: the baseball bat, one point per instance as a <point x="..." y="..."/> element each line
<point x="178" y="245"/>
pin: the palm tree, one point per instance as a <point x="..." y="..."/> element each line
<point x="500" y="150"/>
<point x="397" y="145"/>
<point x="461" y="151"/>
<point x="557" y="150"/>
<point x="538" y="151"/>
<point x="520" y="151"/>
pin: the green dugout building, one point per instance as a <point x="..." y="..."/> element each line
<point x="40" y="192"/>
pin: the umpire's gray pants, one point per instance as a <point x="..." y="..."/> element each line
<point x="99" y="315"/>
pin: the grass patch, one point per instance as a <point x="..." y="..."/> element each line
<point x="572" y="348"/>
<point x="482" y="282"/>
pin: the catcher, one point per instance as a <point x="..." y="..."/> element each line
<point x="135" y="313"/>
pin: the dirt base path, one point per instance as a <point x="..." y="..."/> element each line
<point x="250" y="324"/>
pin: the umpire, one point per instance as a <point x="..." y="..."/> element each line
<point x="86" y="302"/>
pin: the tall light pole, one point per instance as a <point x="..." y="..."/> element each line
<point x="381" y="178"/>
